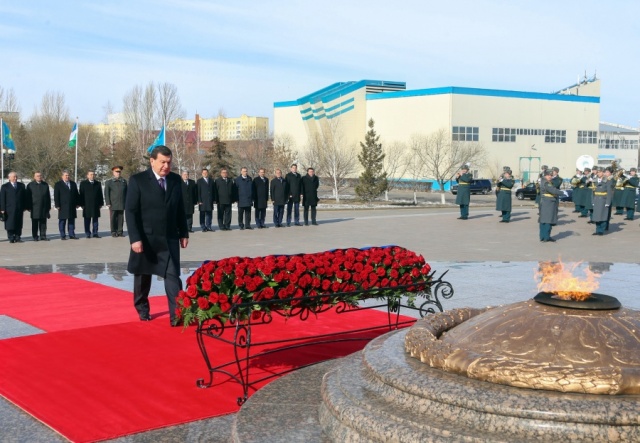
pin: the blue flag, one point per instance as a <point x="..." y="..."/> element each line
<point x="7" y="140"/>
<point x="158" y="141"/>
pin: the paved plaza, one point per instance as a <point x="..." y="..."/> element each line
<point x="487" y="262"/>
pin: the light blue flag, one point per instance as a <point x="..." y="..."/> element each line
<point x="157" y="142"/>
<point x="7" y="140"/>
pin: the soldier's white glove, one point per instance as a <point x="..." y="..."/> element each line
<point x="566" y="194"/>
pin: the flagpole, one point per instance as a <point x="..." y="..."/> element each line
<point x="77" y="140"/>
<point x="2" y="148"/>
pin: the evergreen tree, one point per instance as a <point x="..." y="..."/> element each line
<point x="373" y="180"/>
<point x="218" y="157"/>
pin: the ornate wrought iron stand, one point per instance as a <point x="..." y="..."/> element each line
<point x="243" y="318"/>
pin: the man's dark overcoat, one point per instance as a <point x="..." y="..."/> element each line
<point x="91" y="198"/>
<point x="66" y="198"/>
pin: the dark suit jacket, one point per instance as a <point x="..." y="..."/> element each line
<point x="91" y="198"/>
<point x="157" y="219"/>
<point x="13" y="202"/>
<point x="206" y="194"/>
<point x="189" y="196"/>
<point x="225" y="191"/>
<point x="279" y="191"/>
<point x="66" y="198"/>
<point x="295" y="185"/>
<point x="261" y="192"/>
<point x="39" y="199"/>
<point x="310" y="187"/>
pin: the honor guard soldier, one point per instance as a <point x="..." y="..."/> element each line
<point x="591" y="185"/>
<point x="555" y="178"/>
<point x="585" y="193"/>
<point x="602" y="196"/>
<point x="611" y="183"/>
<point x="629" y="193"/>
<point x="463" y="177"/>
<point x="617" y="192"/>
<point x="548" y="211"/>
<point x="576" y="186"/>
<point x="503" y="202"/>
<point x="539" y="183"/>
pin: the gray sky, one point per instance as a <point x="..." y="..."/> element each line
<point x="243" y="56"/>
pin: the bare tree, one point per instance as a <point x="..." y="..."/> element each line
<point x="169" y="107"/>
<point x="139" y="114"/>
<point x="395" y="165"/>
<point x="8" y="101"/>
<point x="415" y="167"/>
<point x="284" y="152"/>
<point x="253" y="153"/>
<point x="333" y="157"/>
<point x="442" y="158"/>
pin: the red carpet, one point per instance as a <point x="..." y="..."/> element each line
<point x="101" y="382"/>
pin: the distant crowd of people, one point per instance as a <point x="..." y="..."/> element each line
<point x="290" y="191"/>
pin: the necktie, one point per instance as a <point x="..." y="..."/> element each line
<point x="69" y="185"/>
<point x="14" y="185"/>
<point x="161" y="183"/>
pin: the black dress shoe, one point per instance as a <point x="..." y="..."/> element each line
<point x="175" y="323"/>
<point x="242" y="228"/>
<point x="113" y="234"/>
<point x="552" y="240"/>
<point x="88" y="235"/>
<point x="63" y="238"/>
<point x="314" y="223"/>
<point x="11" y="240"/>
<point x="298" y="224"/>
<point x="249" y="227"/>
<point x="190" y="230"/>
<point x="36" y="239"/>
<point x="18" y="240"/>
<point x="96" y="236"/>
<point x="73" y="237"/>
<point x="44" y="239"/>
<point x="145" y="317"/>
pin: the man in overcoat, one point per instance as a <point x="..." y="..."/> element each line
<point x="225" y="196"/>
<point x="463" y="197"/>
<point x="66" y="199"/>
<point x="279" y="191"/>
<point x="310" y="185"/>
<point x="629" y="194"/>
<point x="503" y="200"/>
<point x="261" y="197"/>
<point x="206" y="199"/>
<point x="294" y="182"/>
<point x="91" y="200"/>
<point x="244" y="190"/>
<point x="548" y="210"/>
<point x="189" y="197"/>
<point x="39" y="204"/>
<point x="13" y="203"/>
<point x="157" y="228"/>
<point x="602" y="198"/>
<point x="115" y="194"/>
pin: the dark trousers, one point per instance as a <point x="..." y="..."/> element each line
<point x="545" y="231"/>
<point x="142" y="286"/>
<point x="630" y="213"/>
<point x="189" y="222"/>
<point x="606" y="226"/>
<point x="295" y="206"/>
<point x="506" y="215"/>
<point x="205" y="219"/>
<point x="600" y="227"/>
<point x="464" y="211"/>
<point x="619" y="210"/>
<point x="14" y="234"/>
<point x="306" y="214"/>
<point x="88" y="224"/>
<point x="278" y="212"/>
<point x="39" y="224"/>
<point x="224" y="215"/>
<point x="116" y="218"/>
<point x="62" y="225"/>
<point x="261" y="213"/>
<point x="244" y="216"/>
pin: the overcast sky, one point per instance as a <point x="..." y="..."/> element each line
<point x="243" y="56"/>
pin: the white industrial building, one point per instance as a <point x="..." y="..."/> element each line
<point x="518" y="129"/>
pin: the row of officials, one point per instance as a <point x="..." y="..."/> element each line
<point x="290" y="191"/>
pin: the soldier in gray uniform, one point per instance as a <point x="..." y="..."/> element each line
<point x="611" y="182"/>
<point x="539" y="183"/>
<point x="503" y="201"/>
<point x="602" y="196"/>
<point x="555" y="177"/>
<point x="629" y="193"/>
<point x="548" y="211"/>
<point x="115" y="194"/>
<point x="464" y="192"/>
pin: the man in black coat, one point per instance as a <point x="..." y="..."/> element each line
<point x="279" y="190"/>
<point x="206" y="199"/>
<point x="244" y="190"/>
<point x="294" y="180"/>
<point x="261" y="197"/>
<point x="39" y="203"/>
<point x="13" y="203"/>
<point x="91" y="201"/>
<point x="310" y="185"/>
<point x="157" y="229"/>
<point x="225" y="196"/>
<point x="115" y="194"/>
<point x="66" y="199"/>
<point x="189" y="197"/>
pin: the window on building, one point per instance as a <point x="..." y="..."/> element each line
<point x="465" y="134"/>
<point x="590" y="137"/>
<point x="507" y="135"/>
<point x="555" y="136"/>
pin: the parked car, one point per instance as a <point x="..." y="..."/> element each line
<point x="477" y="186"/>
<point x="529" y="191"/>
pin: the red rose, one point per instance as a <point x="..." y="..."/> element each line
<point x="268" y="293"/>
<point x="203" y="303"/>
<point x="217" y="279"/>
<point x="425" y="269"/>
<point x="186" y="302"/>
<point x="225" y="307"/>
<point x="206" y="285"/>
<point x="325" y="285"/>
<point x="393" y="274"/>
<point x="238" y="282"/>
<point x="192" y="291"/>
<point x="213" y="297"/>
<point x="255" y="315"/>
<point x="223" y="298"/>
<point x="381" y="272"/>
<point x="415" y="273"/>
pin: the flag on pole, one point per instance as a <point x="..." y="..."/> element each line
<point x="7" y="140"/>
<point x="73" y="138"/>
<point x="158" y="141"/>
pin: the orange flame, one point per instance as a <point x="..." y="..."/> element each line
<point x="558" y="279"/>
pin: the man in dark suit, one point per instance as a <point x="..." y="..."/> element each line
<point x="39" y="204"/>
<point x="66" y="199"/>
<point x="206" y="199"/>
<point x="294" y="181"/>
<point x="13" y="203"/>
<point x="261" y="197"/>
<point x="157" y="229"/>
<point x="189" y="197"/>
<point x="115" y="193"/>
<point x="310" y="185"/>
<point x="279" y="190"/>
<point x="91" y="201"/>
<point x="244" y="191"/>
<point x="225" y="196"/>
